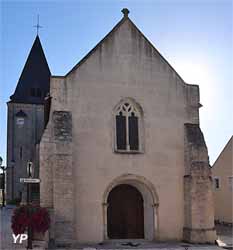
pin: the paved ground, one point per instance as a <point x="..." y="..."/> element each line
<point x="6" y="239"/>
<point x="225" y="236"/>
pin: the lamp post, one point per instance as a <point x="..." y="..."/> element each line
<point x="30" y="169"/>
<point x="3" y="182"/>
<point x="30" y="173"/>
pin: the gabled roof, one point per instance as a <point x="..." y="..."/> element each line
<point x="35" y="77"/>
<point x="229" y="142"/>
<point x="124" y="19"/>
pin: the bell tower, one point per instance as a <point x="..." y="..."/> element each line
<point x="25" y="121"/>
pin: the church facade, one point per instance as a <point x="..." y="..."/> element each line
<point x="122" y="155"/>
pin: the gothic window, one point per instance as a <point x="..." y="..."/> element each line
<point x="127" y="127"/>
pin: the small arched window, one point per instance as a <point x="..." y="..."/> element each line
<point x="20" y="118"/>
<point x="127" y="127"/>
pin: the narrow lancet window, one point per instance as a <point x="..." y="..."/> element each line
<point x="121" y="131"/>
<point x="133" y="132"/>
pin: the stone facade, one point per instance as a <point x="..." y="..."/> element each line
<point x="24" y="134"/>
<point x="79" y="165"/>
<point x="223" y="185"/>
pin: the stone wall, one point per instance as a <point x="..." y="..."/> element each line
<point x="56" y="172"/>
<point x="223" y="195"/>
<point x="21" y="144"/>
<point x="198" y="194"/>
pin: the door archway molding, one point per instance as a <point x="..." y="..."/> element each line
<point x="151" y="203"/>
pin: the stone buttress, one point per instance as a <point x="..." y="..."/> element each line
<point x="198" y="195"/>
<point x="56" y="171"/>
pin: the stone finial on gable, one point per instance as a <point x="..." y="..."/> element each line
<point x="125" y="11"/>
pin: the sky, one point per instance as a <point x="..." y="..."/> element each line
<point x="195" y="36"/>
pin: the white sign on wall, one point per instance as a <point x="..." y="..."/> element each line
<point x="29" y="180"/>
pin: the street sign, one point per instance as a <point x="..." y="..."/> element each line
<point x="30" y="180"/>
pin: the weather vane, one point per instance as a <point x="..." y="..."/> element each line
<point x="38" y="25"/>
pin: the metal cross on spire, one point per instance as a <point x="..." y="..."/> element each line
<point x="38" y="25"/>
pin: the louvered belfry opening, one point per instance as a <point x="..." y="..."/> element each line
<point x="127" y="127"/>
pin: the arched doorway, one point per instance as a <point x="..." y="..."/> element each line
<point x="125" y="213"/>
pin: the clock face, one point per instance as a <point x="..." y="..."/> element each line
<point x="20" y="121"/>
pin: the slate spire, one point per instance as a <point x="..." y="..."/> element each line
<point x="33" y="84"/>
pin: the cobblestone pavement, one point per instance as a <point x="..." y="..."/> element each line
<point x="6" y="240"/>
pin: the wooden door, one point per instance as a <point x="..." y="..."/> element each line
<point x="125" y="214"/>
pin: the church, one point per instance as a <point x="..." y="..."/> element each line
<point x="122" y="155"/>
